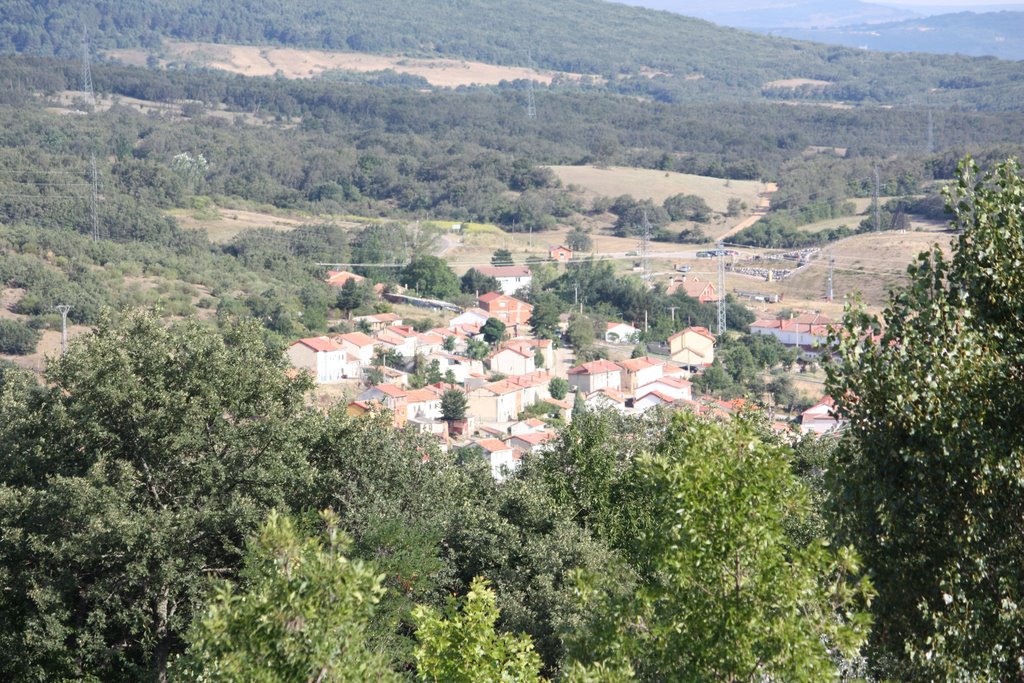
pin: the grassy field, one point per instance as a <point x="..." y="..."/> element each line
<point x="644" y="183"/>
<point x="302" y="63"/>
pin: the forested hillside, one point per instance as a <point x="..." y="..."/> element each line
<point x="657" y="54"/>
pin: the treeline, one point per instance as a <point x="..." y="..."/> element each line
<point x="366" y="150"/>
<point x="694" y="60"/>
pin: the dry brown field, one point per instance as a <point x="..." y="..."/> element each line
<point x="299" y="63"/>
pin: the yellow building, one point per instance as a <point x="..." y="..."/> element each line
<point x="694" y="347"/>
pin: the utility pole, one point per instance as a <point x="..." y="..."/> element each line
<point x="673" y="310"/>
<point x="646" y="326"/>
<point x="831" y="267"/>
<point x="721" y="289"/>
<point x="931" y="135"/>
<point x="878" y="215"/>
<point x="63" y="308"/>
<point x="643" y="249"/>
<point x="95" y="200"/>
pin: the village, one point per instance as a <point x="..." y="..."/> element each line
<point x="484" y="381"/>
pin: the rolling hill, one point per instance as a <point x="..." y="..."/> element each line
<point x="640" y="52"/>
<point x="995" y="34"/>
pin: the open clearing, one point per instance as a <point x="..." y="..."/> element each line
<point x="230" y="222"/>
<point x="643" y="183"/>
<point x="251" y="60"/>
<point x="796" y="83"/>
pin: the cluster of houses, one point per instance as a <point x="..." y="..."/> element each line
<point x="517" y="373"/>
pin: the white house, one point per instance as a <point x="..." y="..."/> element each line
<point x="423" y="403"/>
<point x="821" y="418"/>
<point x="359" y="345"/>
<point x="531" y="442"/>
<point x="598" y="374"/>
<point x="502" y="457"/>
<point x="326" y="359"/>
<point x="651" y="400"/>
<point x="673" y="387"/>
<point x="509" y="361"/>
<point x="510" y="278"/>
<point x="470" y="316"/>
<point x="606" y="398"/>
<point x="621" y="333"/>
<point x="636" y="372"/>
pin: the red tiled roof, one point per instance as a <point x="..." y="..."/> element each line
<point x="492" y="445"/>
<point x="319" y="344"/>
<point x="703" y="331"/>
<point x="392" y="390"/>
<point x="339" y="277"/>
<point x="665" y="398"/>
<point x="535" y="438"/>
<point x="502" y="387"/>
<point x="637" y="364"/>
<point x="357" y="338"/>
<point x="595" y="367"/>
<point x="616" y="396"/>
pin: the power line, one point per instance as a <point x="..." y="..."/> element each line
<point x="86" y="69"/>
<point x="63" y="308"/>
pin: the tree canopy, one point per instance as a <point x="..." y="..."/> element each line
<point x="928" y="478"/>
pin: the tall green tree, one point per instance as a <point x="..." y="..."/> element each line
<point x="453" y="404"/>
<point x="154" y="452"/>
<point x="430" y="276"/>
<point x="353" y="295"/>
<point x="476" y="283"/>
<point x="463" y="646"/>
<point x="302" y="615"/>
<point x="928" y="481"/>
<point x="493" y="330"/>
<point x="502" y="257"/>
<point x="726" y="593"/>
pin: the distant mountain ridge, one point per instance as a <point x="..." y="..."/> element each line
<point x="638" y="52"/>
<point x="758" y="15"/>
<point x="993" y="34"/>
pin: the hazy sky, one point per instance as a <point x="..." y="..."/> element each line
<point x="953" y="3"/>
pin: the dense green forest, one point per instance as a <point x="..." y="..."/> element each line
<point x="393" y="151"/>
<point x="696" y="60"/>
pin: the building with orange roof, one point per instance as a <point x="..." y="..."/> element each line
<point x="606" y="398"/>
<point x="695" y="288"/>
<point x="392" y="397"/>
<point x="598" y="374"/>
<point x="560" y="253"/>
<point x="636" y="372"/>
<point x="821" y="418"/>
<point x="532" y="346"/>
<point x="652" y="399"/>
<point x="338" y="278"/>
<point x="502" y="457"/>
<point x="496" y="402"/>
<point x="677" y="389"/>
<point x="531" y="442"/>
<point x="809" y="330"/>
<point x="326" y="360"/>
<point x="510" y="361"/>
<point x="507" y="309"/>
<point x="359" y="345"/>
